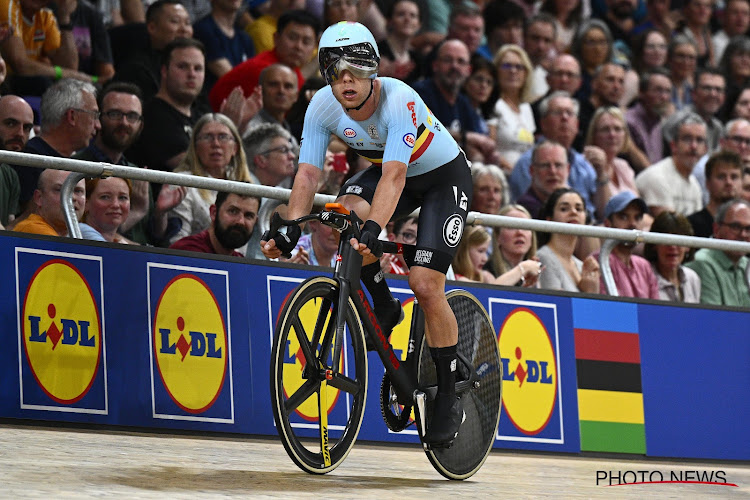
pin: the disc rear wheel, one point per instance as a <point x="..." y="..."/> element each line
<point x="477" y="345"/>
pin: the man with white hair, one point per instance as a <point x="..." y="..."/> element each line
<point x="70" y="119"/>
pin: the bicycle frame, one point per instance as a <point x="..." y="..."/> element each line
<point x="403" y="374"/>
<point x="347" y="275"/>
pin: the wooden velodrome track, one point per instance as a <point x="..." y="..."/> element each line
<point x="48" y="462"/>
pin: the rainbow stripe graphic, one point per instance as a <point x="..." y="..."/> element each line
<point x="608" y="366"/>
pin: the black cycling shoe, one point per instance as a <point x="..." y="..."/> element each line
<point x="388" y="319"/>
<point x="447" y="416"/>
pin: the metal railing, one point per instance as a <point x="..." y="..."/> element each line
<point x="100" y="169"/>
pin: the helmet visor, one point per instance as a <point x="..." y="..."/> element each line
<point x="360" y="59"/>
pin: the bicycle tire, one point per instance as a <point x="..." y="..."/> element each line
<point x="477" y="342"/>
<point x="316" y="445"/>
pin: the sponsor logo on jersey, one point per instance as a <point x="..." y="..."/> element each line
<point x="354" y="190"/>
<point x="350" y="133"/>
<point x="62" y="333"/>
<point x="452" y="230"/>
<point x="409" y="140"/>
<point x="410" y="105"/>
<point x="423" y="257"/>
<point x="529" y="371"/>
<point x="190" y="343"/>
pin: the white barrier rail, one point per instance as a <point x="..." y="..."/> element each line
<point x="98" y="169"/>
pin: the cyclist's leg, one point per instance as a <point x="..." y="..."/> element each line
<point x="447" y="196"/>
<point x="441" y="331"/>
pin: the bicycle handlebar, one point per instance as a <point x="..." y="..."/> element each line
<point x="338" y="221"/>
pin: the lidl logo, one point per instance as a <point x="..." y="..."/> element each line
<point x="61" y="333"/>
<point x="190" y="343"/>
<point x="527" y="340"/>
<point x="529" y="373"/>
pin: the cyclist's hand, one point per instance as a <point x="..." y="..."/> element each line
<point x="368" y="242"/>
<point x="280" y="244"/>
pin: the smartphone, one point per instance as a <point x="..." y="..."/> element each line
<point x="339" y="163"/>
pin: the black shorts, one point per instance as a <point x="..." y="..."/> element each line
<point x="444" y="195"/>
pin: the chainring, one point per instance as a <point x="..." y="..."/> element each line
<point x="396" y="417"/>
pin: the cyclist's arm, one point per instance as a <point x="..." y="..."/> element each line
<point x="388" y="192"/>
<point x="303" y="190"/>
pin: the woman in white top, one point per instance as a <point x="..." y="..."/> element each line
<point x="215" y="151"/>
<point x="512" y="125"/>
<point x="562" y="270"/>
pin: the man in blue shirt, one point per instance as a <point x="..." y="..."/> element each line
<point x="442" y="94"/>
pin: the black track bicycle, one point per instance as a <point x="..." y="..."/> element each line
<point x="323" y="323"/>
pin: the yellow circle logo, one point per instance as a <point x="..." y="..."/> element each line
<point x="190" y="343"/>
<point x="61" y="331"/>
<point x="529" y="371"/>
<point x="293" y="380"/>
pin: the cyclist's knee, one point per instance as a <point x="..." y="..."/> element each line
<point x="428" y="285"/>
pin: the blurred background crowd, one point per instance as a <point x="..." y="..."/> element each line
<point x="632" y="114"/>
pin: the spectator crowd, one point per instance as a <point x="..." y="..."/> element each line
<point x="631" y="114"/>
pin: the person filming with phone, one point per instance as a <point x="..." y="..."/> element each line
<point x="415" y="163"/>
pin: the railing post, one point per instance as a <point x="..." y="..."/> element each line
<point x="604" y="267"/>
<point x="66" y="199"/>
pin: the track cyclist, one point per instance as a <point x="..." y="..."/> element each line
<point x="415" y="163"/>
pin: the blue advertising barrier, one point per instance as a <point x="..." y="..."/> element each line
<point x="114" y="335"/>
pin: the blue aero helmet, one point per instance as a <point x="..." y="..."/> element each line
<point x="348" y="46"/>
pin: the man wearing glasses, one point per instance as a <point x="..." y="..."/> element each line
<point x="70" y="119"/>
<point x="669" y="184"/>
<point x="722" y="273"/>
<point x="708" y="95"/>
<point x="122" y="122"/>
<point x="736" y="138"/>
<point x="271" y="157"/>
<point x="549" y="171"/>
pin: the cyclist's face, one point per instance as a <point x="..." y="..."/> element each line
<point x="349" y="90"/>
